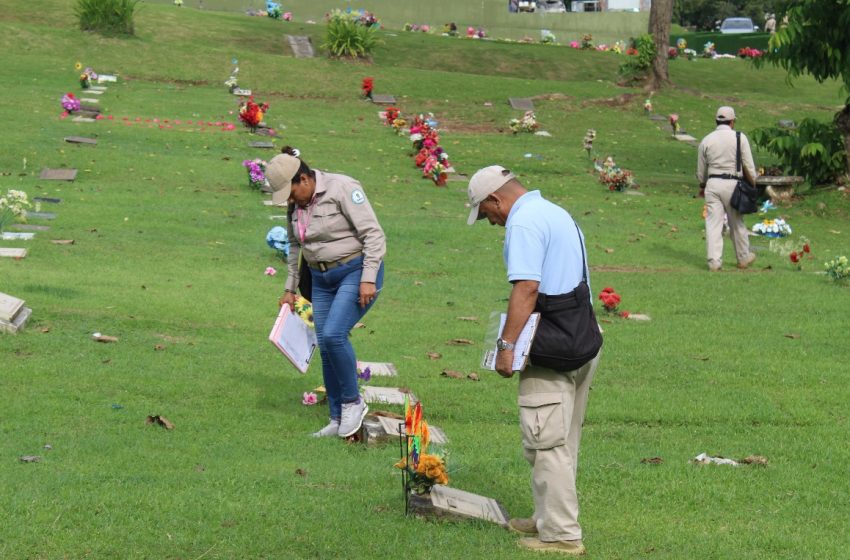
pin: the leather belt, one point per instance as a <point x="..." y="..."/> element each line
<point x="724" y="176"/>
<point x="325" y="266"/>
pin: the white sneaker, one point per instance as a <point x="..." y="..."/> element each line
<point x="330" y="430"/>
<point x="352" y="417"/>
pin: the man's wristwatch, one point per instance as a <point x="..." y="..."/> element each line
<point x="502" y="344"/>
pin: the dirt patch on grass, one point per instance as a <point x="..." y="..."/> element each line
<point x="620" y="101"/>
<point x="553" y="97"/>
<point x="460" y="127"/>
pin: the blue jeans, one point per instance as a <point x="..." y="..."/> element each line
<point x="336" y="309"/>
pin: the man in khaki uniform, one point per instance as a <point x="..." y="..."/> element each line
<point x="717" y="175"/>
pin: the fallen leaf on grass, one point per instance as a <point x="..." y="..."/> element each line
<point x="433" y="355"/>
<point x="199" y="468"/>
<point x="459" y="341"/>
<point x="473" y="376"/>
<point x="30" y="459"/>
<point x="452" y="373"/>
<point x="652" y="460"/>
<point x="159" y="347"/>
<point x="358" y="326"/>
<point x="300" y="472"/>
<point x="417" y="283"/>
<point x="104" y="338"/>
<point x="754" y="460"/>
<point x="609" y="250"/>
<point x="701" y="358"/>
<point x="466" y="318"/>
<point x="45" y="329"/>
<point x="792" y="335"/>
<point x="62" y="241"/>
<point x="160" y="420"/>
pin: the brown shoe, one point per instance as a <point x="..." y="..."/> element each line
<point x="573" y="548"/>
<point x="523" y="526"/>
<point x="747" y="262"/>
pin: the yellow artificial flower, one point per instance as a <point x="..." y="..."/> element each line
<point x="78" y="66"/>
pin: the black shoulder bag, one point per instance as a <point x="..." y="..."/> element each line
<point x="745" y="197"/>
<point x="568" y="335"/>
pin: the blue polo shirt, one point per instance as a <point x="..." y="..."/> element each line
<point x="542" y="243"/>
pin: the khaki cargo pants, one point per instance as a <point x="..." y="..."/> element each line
<point x="551" y="412"/>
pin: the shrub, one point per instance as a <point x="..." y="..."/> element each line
<point x="813" y="149"/>
<point x="109" y="17"/>
<point x="638" y="65"/>
<point x="346" y="36"/>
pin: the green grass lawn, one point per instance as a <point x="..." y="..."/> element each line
<point x="169" y="256"/>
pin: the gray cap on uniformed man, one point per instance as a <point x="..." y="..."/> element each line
<point x="725" y="114"/>
<point x="279" y="171"/>
<point x="484" y="183"/>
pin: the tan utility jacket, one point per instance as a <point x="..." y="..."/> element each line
<point x="717" y="155"/>
<point x="339" y="223"/>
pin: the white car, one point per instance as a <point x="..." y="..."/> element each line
<point x="738" y="25"/>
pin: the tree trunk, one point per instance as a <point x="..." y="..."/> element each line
<point x="842" y="122"/>
<point x="660" y="17"/>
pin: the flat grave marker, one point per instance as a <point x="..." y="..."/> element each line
<point x="42" y="215"/>
<point x="277" y="217"/>
<point x="61" y="174"/>
<point x="380" y="369"/>
<point x="261" y="144"/>
<point x="242" y="92"/>
<point x="521" y="103"/>
<point x="386" y="395"/>
<point x="17" y="236"/>
<point x="95" y="92"/>
<point x="17" y="322"/>
<point x="98" y="88"/>
<point x="301" y="45"/>
<point x="13" y="253"/>
<point x="89" y="100"/>
<point x="29" y="227"/>
<point x="89" y="109"/>
<point x="81" y="140"/>
<point x="657" y="118"/>
<point x="47" y="199"/>
<point x="101" y="78"/>
<point x="467" y="504"/>
<point x="685" y="138"/>
<point x="267" y="132"/>
<point x="392" y="426"/>
<point x="383" y="99"/>
<point x="9" y="306"/>
<point x="80" y="118"/>
<point x="268" y="203"/>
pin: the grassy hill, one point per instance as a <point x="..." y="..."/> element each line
<point x="169" y="257"/>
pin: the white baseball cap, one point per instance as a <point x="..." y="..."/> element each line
<point x="484" y="183"/>
<point x="725" y="114"/>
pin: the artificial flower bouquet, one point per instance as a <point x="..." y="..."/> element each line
<point x="528" y="123"/>
<point x="251" y="114"/>
<point x="13" y="207"/>
<point x="674" y="122"/>
<point x="256" y="172"/>
<point x="612" y="176"/>
<point x="70" y="103"/>
<point x="366" y="87"/>
<point x="391" y="114"/>
<point x="772" y="228"/>
<point x="838" y="269"/>
<point x="610" y="299"/>
<point x="748" y="52"/>
<point x="422" y="470"/>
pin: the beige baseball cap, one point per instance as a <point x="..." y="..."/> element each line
<point x="484" y="183"/>
<point x="725" y="114"/>
<point x="280" y="171"/>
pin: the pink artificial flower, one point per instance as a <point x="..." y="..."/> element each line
<point x="574" y="44"/>
<point x="63" y="115"/>
<point x="271" y="271"/>
<point x="309" y="399"/>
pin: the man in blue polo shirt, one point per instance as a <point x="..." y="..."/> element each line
<point x="544" y="254"/>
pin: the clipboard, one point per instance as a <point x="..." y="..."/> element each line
<point x="522" y="347"/>
<point x="294" y="338"/>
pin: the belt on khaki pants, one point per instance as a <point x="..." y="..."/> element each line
<point x="325" y="266"/>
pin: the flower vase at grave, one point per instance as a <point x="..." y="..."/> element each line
<point x="441" y="179"/>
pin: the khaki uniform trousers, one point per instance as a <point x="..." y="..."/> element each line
<point x="551" y="412"/>
<point x="718" y="194"/>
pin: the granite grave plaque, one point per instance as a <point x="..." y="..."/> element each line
<point x="62" y="174"/>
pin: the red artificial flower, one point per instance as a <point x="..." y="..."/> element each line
<point x="795" y="257"/>
<point x="367" y="85"/>
<point x="624" y="314"/>
<point x="806" y="248"/>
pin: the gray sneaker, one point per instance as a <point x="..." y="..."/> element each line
<point x="331" y="429"/>
<point x="352" y="417"/>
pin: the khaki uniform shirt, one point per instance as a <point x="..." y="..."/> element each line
<point x="717" y="154"/>
<point x="339" y="223"/>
